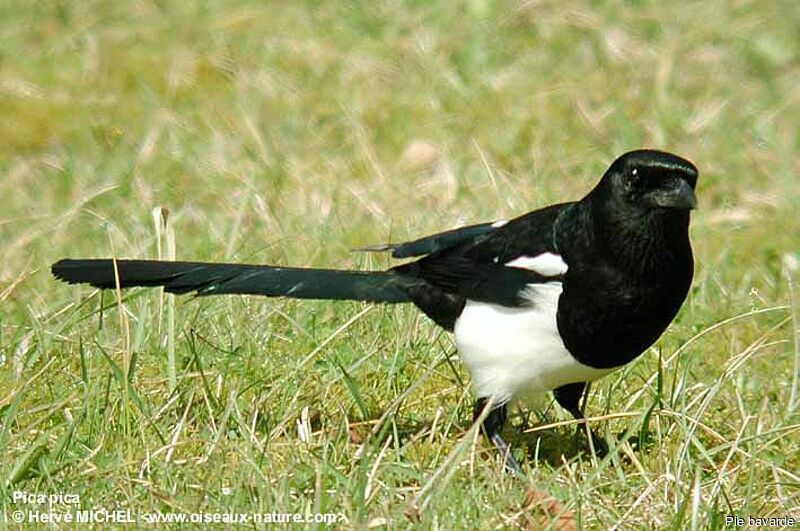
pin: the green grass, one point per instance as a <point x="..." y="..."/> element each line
<point x="292" y="132"/>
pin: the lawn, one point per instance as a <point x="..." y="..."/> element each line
<point x="293" y="132"/>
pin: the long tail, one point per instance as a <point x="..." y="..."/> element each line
<point x="213" y="279"/>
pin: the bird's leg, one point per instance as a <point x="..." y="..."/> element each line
<point x="525" y="416"/>
<point x="569" y="396"/>
<point x="492" y="425"/>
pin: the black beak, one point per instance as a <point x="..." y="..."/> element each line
<point x="678" y="194"/>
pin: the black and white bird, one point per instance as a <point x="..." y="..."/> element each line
<point x="548" y="301"/>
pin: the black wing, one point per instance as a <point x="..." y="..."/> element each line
<point x="435" y="242"/>
<point x="529" y="235"/>
<point x="475" y="268"/>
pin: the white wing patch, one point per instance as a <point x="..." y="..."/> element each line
<point x="499" y="223"/>
<point x="547" y="264"/>
<point x="517" y="353"/>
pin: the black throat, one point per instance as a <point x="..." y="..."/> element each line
<point x="646" y="243"/>
<point x="629" y="272"/>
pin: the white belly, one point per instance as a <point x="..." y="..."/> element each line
<point x="517" y="353"/>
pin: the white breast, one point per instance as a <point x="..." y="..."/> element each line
<point x="517" y="353"/>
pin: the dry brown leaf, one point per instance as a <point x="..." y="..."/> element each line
<point x="355" y="437"/>
<point x="546" y="511"/>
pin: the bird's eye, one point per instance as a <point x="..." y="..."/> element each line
<point x="634" y="177"/>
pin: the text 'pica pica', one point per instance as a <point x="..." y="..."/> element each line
<point x="548" y="301"/>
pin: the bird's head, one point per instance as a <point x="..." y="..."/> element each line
<point x="648" y="180"/>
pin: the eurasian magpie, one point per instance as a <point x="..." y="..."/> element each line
<point x="548" y="301"/>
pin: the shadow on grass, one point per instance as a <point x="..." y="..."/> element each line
<point x="553" y="447"/>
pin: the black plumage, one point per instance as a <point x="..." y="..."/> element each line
<point x="241" y="279"/>
<point x="588" y="284"/>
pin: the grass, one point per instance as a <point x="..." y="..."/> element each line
<point x="290" y="133"/>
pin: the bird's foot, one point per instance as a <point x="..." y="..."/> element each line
<point x="511" y="464"/>
<point x="598" y="444"/>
